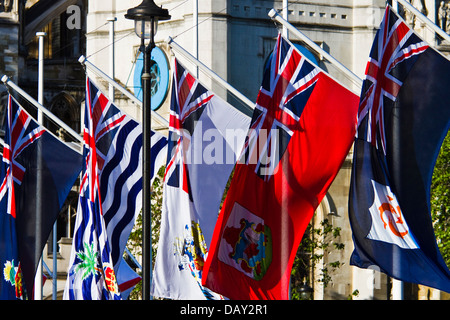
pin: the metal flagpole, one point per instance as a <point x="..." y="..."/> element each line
<point x="55" y="261"/>
<point x="275" y="16"/>
<point x="127" y="93"/>
<point x="5" y="79"/>
<point x="285" y="17"/>
<point x="195" y="42"/>
<point x="395" y="5"/>
<point x="212" y="74"/>
<point x="111" y="56"/>
<point x="397" y="285"/>
<point x="424" y="19"/>
<point x="38" y="240"/>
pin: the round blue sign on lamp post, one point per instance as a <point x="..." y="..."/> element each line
<point x="159" y="83"/>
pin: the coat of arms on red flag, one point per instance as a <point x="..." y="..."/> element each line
<point x="247" y="243"/>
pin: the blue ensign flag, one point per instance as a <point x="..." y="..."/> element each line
<point x="402" y="120"/>
<point x="28" y="149"/>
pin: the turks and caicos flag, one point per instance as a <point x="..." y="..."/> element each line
<point x="302" y="128"/>
<point x="403" y="118"/>
<point x="110" y="197"/>
<point x="37" y="172"/>
<point x="205" y="135"/>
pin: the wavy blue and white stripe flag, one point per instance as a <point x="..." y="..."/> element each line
<point x="110" y="197"/>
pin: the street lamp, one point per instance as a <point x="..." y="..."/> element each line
<point x="146" y="16"/>
<point x="305" y="291"/>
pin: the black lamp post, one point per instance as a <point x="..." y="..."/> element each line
<point x="146" y="16"/>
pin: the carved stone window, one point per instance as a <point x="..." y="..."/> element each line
<point x="6" y="5"/>
<point x="65" y="107"/>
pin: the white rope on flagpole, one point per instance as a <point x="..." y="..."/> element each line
<point x="425" y="20"/>
<point x="210" y="73"/>
<point x="40" y="107"/>
<point x="127" y="93"/>
<point x="275" y="16"/>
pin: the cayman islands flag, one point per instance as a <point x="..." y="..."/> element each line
<point x="302" y="128"/>
<point x="30" y="152"/>
<point x="205" y="135"/>
<point x="403" y="118"/>
<point x="110" y="199"/>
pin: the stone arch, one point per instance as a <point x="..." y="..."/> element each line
<point x="66" y="108"/>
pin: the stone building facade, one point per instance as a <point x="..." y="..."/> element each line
<point x="235" y="38"/>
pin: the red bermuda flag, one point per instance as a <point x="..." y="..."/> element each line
<point x="302" y="129"/>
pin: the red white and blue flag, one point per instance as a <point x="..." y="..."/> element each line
<point x="205" y="135"/>
<point x="284" y="174"/>
<point x="110" y="198"/>
<point x="28" y="149"/>
<point x="403" y="118"/>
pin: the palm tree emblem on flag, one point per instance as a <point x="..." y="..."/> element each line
<point x="89" y="264"/>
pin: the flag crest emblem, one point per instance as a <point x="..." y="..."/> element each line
<point x="247" y="243"/>
<point x="389" y="224"/>
<point x="191" y="250"/>
<point x="13" y="275"/>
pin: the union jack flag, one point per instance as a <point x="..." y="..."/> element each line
<point x="189" y="101"/>
<point x="395" y="48"/>
<point x="110" y="196"/>
<point x="21" y="131"/>
<point x="286" y="88"/>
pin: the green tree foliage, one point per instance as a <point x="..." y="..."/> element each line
<point x="315" y="241"/>
<point x="440" y="200"/>
<point x="134" y="243"/>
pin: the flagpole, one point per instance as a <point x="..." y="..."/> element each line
<point x="38" y="289"/>
<point x="5" y="79"/>
<point x="424" y="19"/>
<point x="195" y="42"/>
<point x="395" y="5"/>
<point x="124" y="91"/>
<point x="212" y="74"/>
<point x="285" y="17"/>
<point x="111" y="21"/>
<point x="275" y="16"/>
<point x="397" y="285"/>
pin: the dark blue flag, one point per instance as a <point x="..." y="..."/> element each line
<point x="30" y="153"/>
<point x="402" y="121"/>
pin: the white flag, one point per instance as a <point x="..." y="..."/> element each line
<point x="206" y="136"/>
